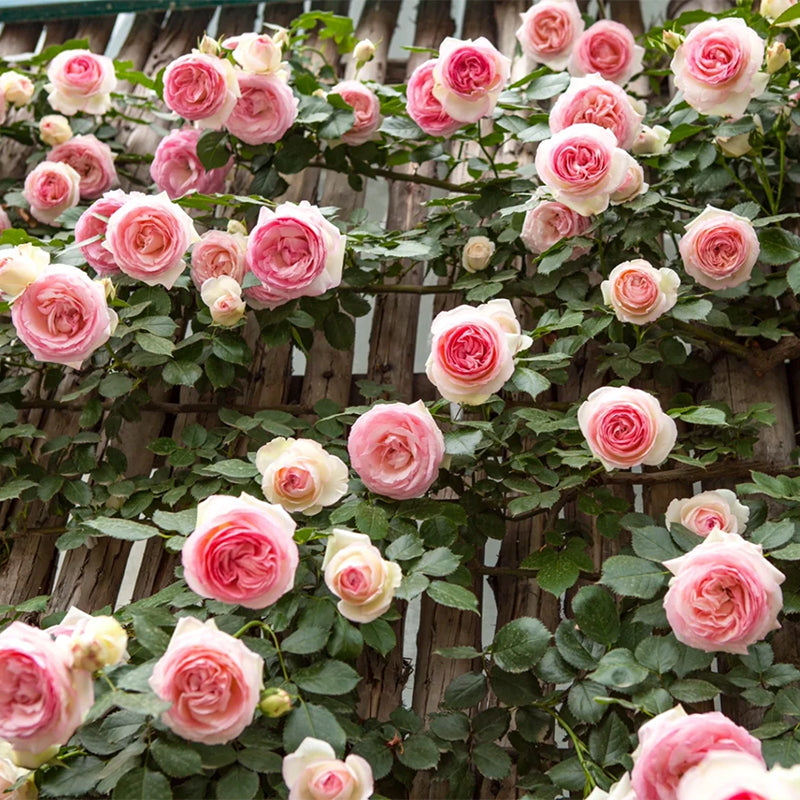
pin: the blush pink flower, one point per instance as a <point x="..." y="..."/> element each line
<point x="640" y="293"/>
<point x="255" y="52"/>
<point x="548" y="223"/>
<point x="212" y="680"/>
<point x="5" y="222"/>
<point x="719" y="248"/>
<point x="673" y="742"/>
<point x="92" y="159"/>
<point x="468" y="77"/>
<point x="42" y="699"/>
<point x="223" y="296"/>
<point x="359" y="576"/>
<point x="632" y="185"/>
<point x="598" y="101"/>
<point x="717" y="67"/>
<point x="609" y="49"/>
<point x="707" y="511"/>
<point x="313" y="771"/>
<point x="396" y="449"/>
<point x="626" y="427"/>
<point x="549" y="30"/>
<point x="10" y="773"/>
<point x="176" y="168"/>
<point x="149" y="237"/>
<point x="92" y="223"/>
<point x="295" y="252"/>
<point x="582" y="166"/>
<point x="63" y="316"/>
<point x="20" y="266"/>
<point x="54" y="129"/>
<point x="16" y="88"/>
<point x="80" y="81"/>
<point x="266" y="109"/>
<point x="50" y="189"/>
<point x="241" y="551"/>
<point x="201" y="88"/>
<point x="218" y="253"/>
<point x="724" y="594"/>
<point x="422" y="105"/>
<point x="366" y="108"/>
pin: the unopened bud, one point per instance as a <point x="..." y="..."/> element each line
<point x="281" y="38"/>
<point x="108" y="288"/>
<point x="275" y="703"/>
<point x="651" y="141"/>
<point x="364" y="51"/>
<point x="234" y="226"/>
<point x="319" y="93"/>
<point x="223" y="296"/>
<point x="209" y="46"/>
<point x="778" y="56"/>
<point x="672" y="39"/>
<point x="477" y="253"/>
<point x="27" y="760"/>
<point x="16" y="87"/>
<point x="54" y="129"/>
<point x="98" y="642"/>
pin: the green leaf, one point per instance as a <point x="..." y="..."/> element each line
<point x="340" y="330"/>
<point x="462" y="442"/>
<point x="633" y="577"/>
<point x="238" y="782"/>
<point x="453" y="596"/>
<point x="596" y="614"/>
<point x="154" y="344"/>
<point x="491" y="760"/>
<point x="77" y="778"/>
<point x="572" y="648"/>
<point x="13" y="489"/>
<point x="693" y="690"/>
<point x="212" y="149"/>
<point x="316" y="721"/>
<point x="790" y="15"/>
<point x="700" y="415"/>
<point x="438" y="562"/>
<point x="692" y="310"/>
<point x="260" y="759"/>
<point x="181" y="373"/>
<point x="610" y="742"/>
<point x="115" y="385"/>
<point x="405" y="548"/>
<point x="178" y="760"/>
<point x="771" y="535"/>
<point x="379" y="635"/>
<point x="232" y="468"/>
<point x="658" y="653"/>
<point x="466" y="690"/>
<point x="371" y="520"/>
<point x="452" y="727"/>
<point x="529" y="381"/>
<point x="124" y="529"/>
<point x="654" y="544"/>
<point x="419" y="752"/>
<point x="142" y="784"/>
<point x="327" y="677"/>
<point x="581" y="700"/>
<point x="778" y="246"/>
<point x="520" y="644"/>
<point x="619" y="668"/>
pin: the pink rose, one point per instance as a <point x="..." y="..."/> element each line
<point x="472" y="351"/>
<point x="422" y="105"/>
<point x="609" y="49"/>
<point x="176" y="167"/>
<point x="469" y="76"/>
<point x="725" y="595"/>
<point x="148" y="238"/>
<point x="652" y="141"/>
<point x="223" y="296"/>
<point x="255" y="52"/>
<point x="626" y="427"/>
<point x="218" y="253"/>
<point x="93" y="642"/>
<point x="50" y="189"/>
<point x="92" y="223"/>
<point x="717" y="67"/>
<point x="548" y="32"/>
<point x="295" y="252"/>
<point x="92" y="160"/>
<point x="674" y="742"/>
<point x="63" y="316"/>
<point x="313" y="771"/>
<point x="201" y="88"/>
<point x="359" y="576"/>
<point x="366" y="108"/>
<point x="582" y="165"/>
<point x="707" y="511"/>
<point x="16" y="88"/>
<point x="5" y="222"/>
<point x="719" y="248"/>
<point x="241" y="551"/>
<point x="42" y="699"/>
<point x="396" y="449"/>
<point x="54" y="129"/>
<point x="633" y="184"/>
<point x="212" y="680"/>
<point x="601" y="102"/>
<point x="80" y="81"/>
<point x="10" y="773"/>
<point x="548" y="223"/>
<point x="265" y="110"/>
<point x="640" y="293"/>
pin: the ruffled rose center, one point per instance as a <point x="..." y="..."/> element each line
<point x="636" y="291"/>
<point x="24" y="696"/>
<point x="468" y="351"/>
<point x="581" y="162"/>
<point x="51" y="189"/>
<point x="83" y="74"/>
<point x="609" y="52"/>
<point x="551" y="30"/>
<point x="294" y="482"/>
<point x="471" y="73"/>
<point x="717" y="61"/>
<point x="625" y="430"/>
<point x="355" y="584"/>
<point x="60" y="313"/>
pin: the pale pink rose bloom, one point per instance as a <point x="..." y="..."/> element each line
<point x="20" y="266"/>
<point x="201" y="88"/>
<point x="92" y="159"/>
<point x="717" y="67"/>
<point x="300" y="475"/>
<point x="621" y="790"/>
<point x="223" y="296"/>
<point x="472" y="351"/>
<point x="51" y="188"/>
<point x="772" y="9"/>
<point x="396" y="449"/>
<point x="632" y="186"/>
<point x="701" y="514"/>
<point x="218" y="253"/>
<point x="549" y="30"/>
<point x="366" y="108"/>
<point x="295" y="252"/>
<point x="149" y="237"/>
<point x="673" y="742"/>
<point x="725" y="595"/>
<point x="10" y="773"/>
<point x="266" y="109"/>
<point x="359" y="576"/>
<point x="176" y="168"/>
<point x="80" y="81"/>
<point x="42" y="699"/>
<point x="212" y="680"/>
<point x="548" y="223"/>
<point x="477" y="253"/>
<point x="719" y="248"/>
<point x="63" y="317"/>
<point x="5" y="222"/>
<point x="651" y="141"/>
<point x="422" y="105"/>
<point x="93" y="223"/>
<point x="582" y="166"/>
<point x="54" y="129"/>
<point x="92" y="642"/>
<point x="261" y="297"/>
<point x="601" y="102"/>
<point x="626" y="427"/>
<point x="16" y="88"/>
<point x="608" y="48"/>
<point x="640" y="293"/>
<point x="468" y="77"/>
<point x="725" y="775"/>
<point x="241" y="551"/>
<point x="313" y="771"/>
<point x="255" y="52"/>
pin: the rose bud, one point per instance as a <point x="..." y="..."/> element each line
<point x="651" y="141"/>
<point x="777" y="57"/>
<point x="364" y="51"/>
<point x="275" y="703"/>
<point x="16" y="88"/>
<point x="223" y="295"/>
<point x="54" y="129"/>
<point x="477" y="253"/>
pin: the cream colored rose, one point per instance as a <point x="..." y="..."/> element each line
<point x="54" y="129"/>
<point x="640" y="293"/>
<point x="10" y="773"/>
<point x="632" y="185"/>
<point x="621" y="790"/>
<point x="223" y="296"/>
<point x="477" y="253"/>
<point x="16" y="87"/>
<point x="708" y="511"/>
<point x="778" y="56"/>
<point x="651" y="141"/>
<point x="725" y="774"/>
<point x="19" y="267"/>
<point x="256" y="52"/>
<point x="359" y="576"/>
<point x="94" y="642"/>
<point x="364" y="51"/>
<point x="772" y="9"/>
<point x="300" y="475"/>
<point x="313" y="771"/>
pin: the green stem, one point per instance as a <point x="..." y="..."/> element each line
<point x="580" y="747"/>
<point x="744" y="187"/>
<point x="782" y="159"/>
<point x="763" y="177"/>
